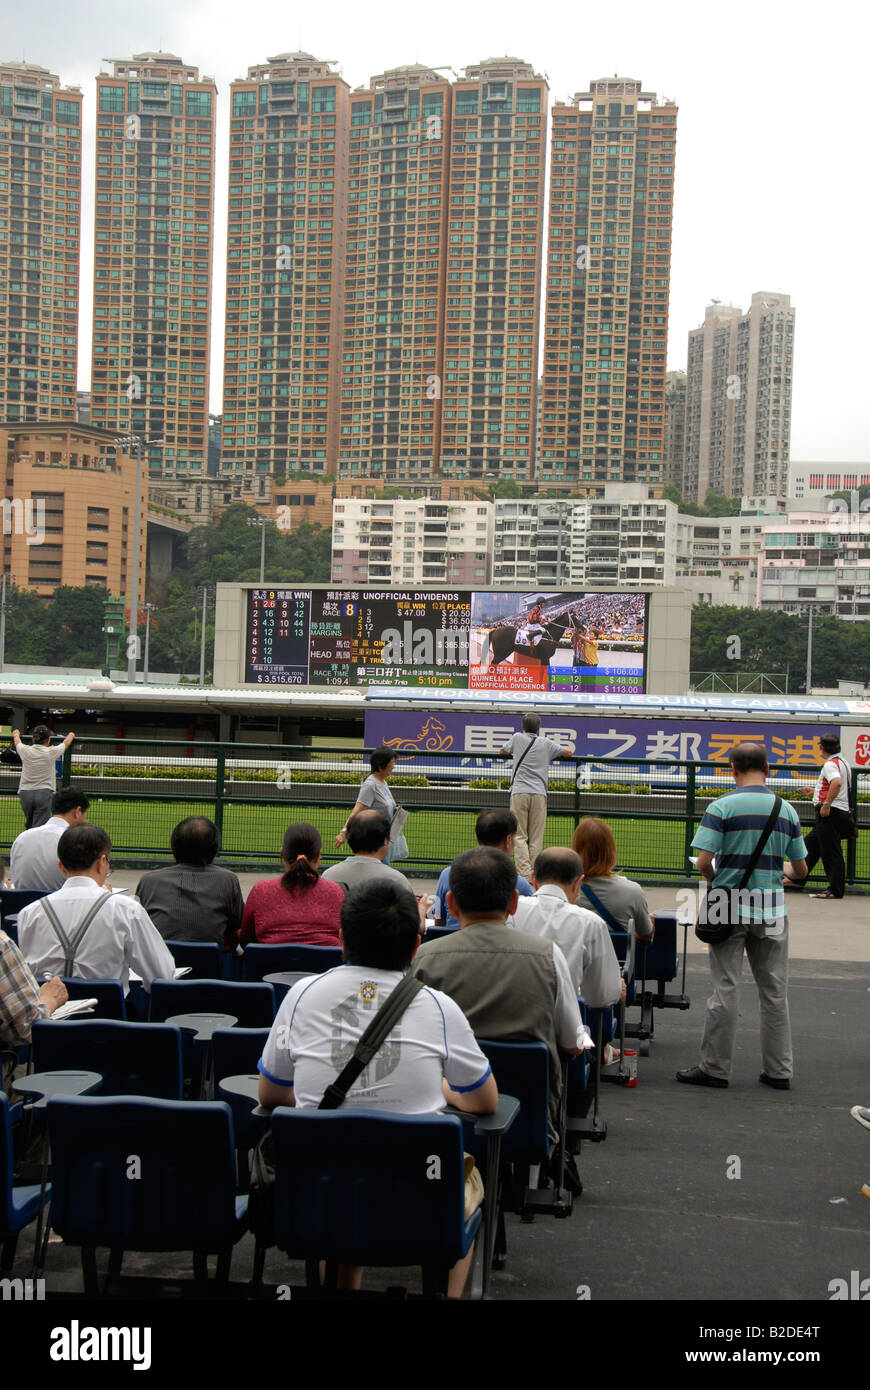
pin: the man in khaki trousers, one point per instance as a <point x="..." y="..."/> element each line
<point x="531" y="756"/>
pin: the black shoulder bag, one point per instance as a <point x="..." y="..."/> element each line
<point x="719" y="903"/>
<point x="261" y="1200"/>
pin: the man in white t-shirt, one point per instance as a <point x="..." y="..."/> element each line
<point x="581" y="935"/>
<point x="531" y="756"/>
<point x="833" y="818"/>
<point x="38" y="774"/>
<point x="33" y="861"/>
<point x="428" y="1061"/>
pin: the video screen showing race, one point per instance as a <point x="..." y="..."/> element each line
<point x="592" y="642"/>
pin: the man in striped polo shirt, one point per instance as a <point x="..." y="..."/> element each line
<point x="730" y="829"/>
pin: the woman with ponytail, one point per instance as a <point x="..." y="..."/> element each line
<point x="300" y="906"/>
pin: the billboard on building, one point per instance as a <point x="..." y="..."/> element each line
<point x="461" y="639"/>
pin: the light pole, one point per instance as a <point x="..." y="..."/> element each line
<point x="262" y="522"/>
<point x="3" y="621"/>
<point x="149" y="609"/>
<point x="139" y="444"/>
<point x="204" y="590"/>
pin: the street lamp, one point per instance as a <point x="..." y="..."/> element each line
<point x="139" y="444"/>
<point x="262" y="522"/>
<point x="203" y="591"/>
<point x="149" y="609"/>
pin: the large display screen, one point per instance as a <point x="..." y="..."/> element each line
<point x="468" y="640"/>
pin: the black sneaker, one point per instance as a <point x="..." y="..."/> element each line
<point x="695" y="1076"/>
<point x="779" y="1083"/>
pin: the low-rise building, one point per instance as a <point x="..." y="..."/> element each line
<point x="817" y="559"/>
<point x="404" y="541"/>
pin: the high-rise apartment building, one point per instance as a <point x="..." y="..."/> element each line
<point x="611" y="210"/>
<point x="738" y="400"/>
<point x="153" y="257"/>
<point x="40" y="209"/>
<point x="392" y="372"/>
<point x="494" y="252"/>
<point x="285" y="263"/>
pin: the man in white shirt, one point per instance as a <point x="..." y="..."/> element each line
<point x="38" y="775"/>
<point x="428" y="1061"/>
<point x="33" y="861"/>
<point x="833" y="818"/>
<point x="581" y="935"/>
<point x="98" y="934"/>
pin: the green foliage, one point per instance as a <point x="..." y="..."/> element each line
<point x="65" y="630"/>
<point x="773" y="641"/>
<point x="715" y="503"/>
<point x="488" y="784"/>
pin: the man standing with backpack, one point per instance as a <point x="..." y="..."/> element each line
<point x="532" y="756"/>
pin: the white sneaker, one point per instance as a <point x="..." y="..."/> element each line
<point x="861" y="1114"/>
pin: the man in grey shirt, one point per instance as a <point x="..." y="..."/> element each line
<point x="194" y="899"/>
<point x="368" y="835"/>
<point x="531" y="756"/>
<point x="38" y="775"/>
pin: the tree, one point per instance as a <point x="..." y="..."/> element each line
<point x="717" y="504"/>
<point x="770" y="641"/>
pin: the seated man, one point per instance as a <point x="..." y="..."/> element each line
<point x="22" y="998"/>
<point x="98" y="934"/>
<point x="33" y="860"/>
<point x="429" y="1060"/>
<point x="193" y="899"/>
<point x="496" y="829"/>
<point x="581" y="935"/>
<point x="368" y="835"/>
<point x="512" y="987"/>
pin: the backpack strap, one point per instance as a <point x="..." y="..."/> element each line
<point x="598" y="906"/>
<point x="372" y="1039"/>
<point x="70" y="944"/>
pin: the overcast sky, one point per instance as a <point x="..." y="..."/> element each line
<point x="771" y="163"/>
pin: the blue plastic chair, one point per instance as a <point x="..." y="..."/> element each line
<point x="236" y="1052"/>
<point x="12" y="900"/>
<point x="252" y="1004"/>
<point x="179" y="1196"/>
<point x="258" y="961"/>
<point x="361" y="1189"/>
<point x="20" y="1204"/>
<point x="522" y="1069"/>
<point x="109" y="995"/>
<point x="134" y="1059"/>
<point x="203" y="957"/>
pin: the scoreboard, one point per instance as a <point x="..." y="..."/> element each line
<point x="481" y="640"/>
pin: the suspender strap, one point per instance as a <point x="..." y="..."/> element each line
<point x="372" y="1039"/>
<point x="532" y="738"/>
<point x="70" y="945"/>
<point x="602" y="911"/>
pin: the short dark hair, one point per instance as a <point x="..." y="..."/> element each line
<point x="493" y="827"/>
<point x="195" y="840"/>
<point x="380" y="923"/>
<point x="69" y="799"/>
<point x="367" y="831"/>
<point x="830" y="743"/>
<point x="381" y="758"/>
<point x="300" y="849"/>
<point x="531" y="723"/>
<point x="41" y="734"/>
<point x="483" y="880"/>
<point x="748" y="757"/>
<point x="80" y="846"/>
<point x="558" y="865"/>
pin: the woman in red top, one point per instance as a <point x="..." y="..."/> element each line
<point x="299" y="906"/>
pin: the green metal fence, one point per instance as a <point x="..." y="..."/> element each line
<point x="139" y="790"/>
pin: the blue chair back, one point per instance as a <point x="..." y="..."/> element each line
<point x="11" y="902"/>
<point x="661" y="954"/>
<point x="369" y="1189"/>
<point x="237" y="1050"/>
<point x="438" y="933"/>
<point x="203" y="957"/>
<point x="258" y="961"/>
<point x="18" y="1205"/>
<point x="109" y="995"/>
<point x="522" y="1069"/>
<point x="182" y="1197"/>
<point x="134" y="1059"/>
<point x="252" y="1004"/>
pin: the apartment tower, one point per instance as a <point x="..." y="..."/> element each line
<point x="738" y="400"/>
<point x="285" y="260"/>
<point x="40" y="198"/>
<point x="493" y="283"/>
<point x="605" y="347"/>
<point x="153" y="258"/>
<point x="392" y="368"/>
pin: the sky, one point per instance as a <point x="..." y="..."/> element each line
<point x="771" y="163"/>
